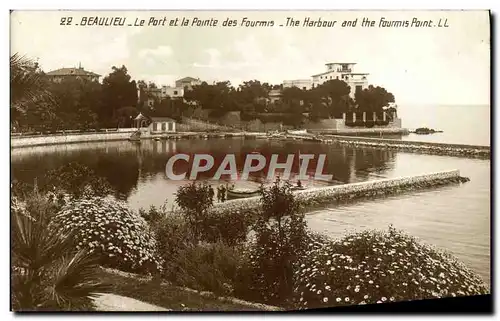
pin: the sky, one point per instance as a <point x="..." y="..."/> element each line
<point x="419" y="65"/>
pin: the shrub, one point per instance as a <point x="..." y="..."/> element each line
<point x="120" y="237"/>
<point x="369" y="123"/>
<point x="48" y="273"/>
<point x="77" y="181"/>
<point x="195" y="200"/>
<point x="280" y="239"/>
<point x="359" y="123"/>
<point x="228" y="227"/>
<point x="377" y="267"/>
<point x="382" y="122"/>
<point x="154" y="214"/>
<point x="173" y="235"/>
<point x="206" y="267"/>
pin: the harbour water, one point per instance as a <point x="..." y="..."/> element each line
<point x="455" y="218"/>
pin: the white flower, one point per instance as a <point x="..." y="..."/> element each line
<point x="365" y="297"/>
<point x="346" y="299"/>
<point x="338" y="299"/>
<point x="384" y="299"/>
<point x="325" y="299"/>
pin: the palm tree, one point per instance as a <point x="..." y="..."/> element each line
<point x="48" y="272"/>
<point x="27" y="82"/>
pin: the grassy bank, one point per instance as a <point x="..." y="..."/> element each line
<point x="167" y="296"/>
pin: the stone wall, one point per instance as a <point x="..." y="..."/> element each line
<point x="337" y="126"/>
<point x="338" y="193"/>
<point x="25" y="141"/>
<point x="412" y="146"/>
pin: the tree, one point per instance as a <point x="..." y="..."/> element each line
<point x="28" y="90"/>
<point x="218" y="97"/>
<point x="27" y="82"/>
<point x="294" y="98"/>
<point x="144" y="94"/>
<point x="331" y="98"/>
<point x="373" y="99"/>
<point x="118" y="91"/>
<point x="253" y="92"/>
<point x="125" y="116"/>
<point x="76" y="103"/>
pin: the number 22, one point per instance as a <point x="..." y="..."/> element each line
<point x="66" y="21"/>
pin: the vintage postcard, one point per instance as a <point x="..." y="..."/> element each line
<point x="250" y="160"/>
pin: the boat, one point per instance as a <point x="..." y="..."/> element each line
<point x="297" y="132"/>
<point x="241" y="193"/>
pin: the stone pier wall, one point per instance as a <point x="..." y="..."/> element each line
<point x="348" y="192"/>
<point x="412" y="146"/>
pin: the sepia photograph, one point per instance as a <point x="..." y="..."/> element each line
<point x="263" y="161"/>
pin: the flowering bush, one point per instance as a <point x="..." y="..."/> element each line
<point x="377" y="267"/>
<point x="107" y="227"/>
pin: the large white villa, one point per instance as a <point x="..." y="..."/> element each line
<point x="334" y="70"/>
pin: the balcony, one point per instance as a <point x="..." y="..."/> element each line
<point x="344" y="70"/>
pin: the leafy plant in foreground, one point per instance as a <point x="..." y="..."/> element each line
<point x="48" y="272"/>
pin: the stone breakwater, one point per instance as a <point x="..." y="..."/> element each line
<point x="29" y="141"/>
<point x="471" y="151"/>
<point x="349" y="192"/>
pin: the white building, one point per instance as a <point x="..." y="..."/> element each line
<point x="161" y="125"/>
<point x="342" y="71"/>
<point x="334" y="70"/>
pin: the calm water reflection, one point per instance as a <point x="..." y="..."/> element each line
<point x="456" y="218"/>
